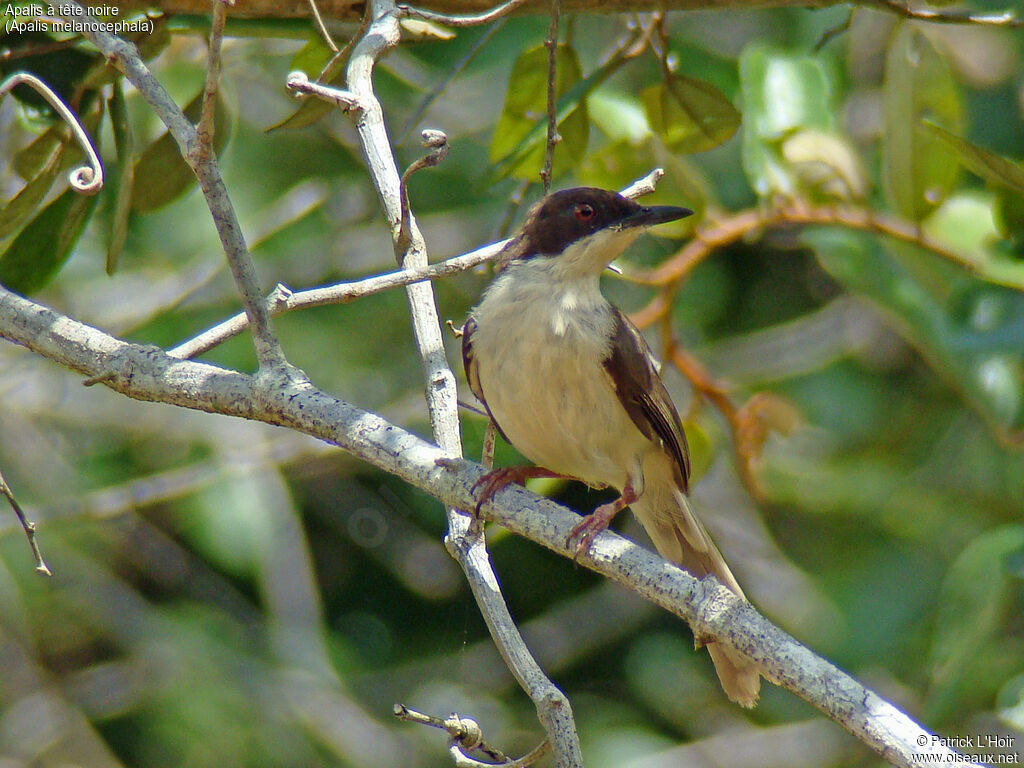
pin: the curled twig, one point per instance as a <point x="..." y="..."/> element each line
<point x="87" y="179"/>
<point x="437" y="142"/>
<point x="30" y="527"/>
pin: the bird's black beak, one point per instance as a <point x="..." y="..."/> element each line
<point x="654" y="214"/>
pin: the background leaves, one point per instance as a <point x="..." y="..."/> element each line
<point x="225" y="592"/>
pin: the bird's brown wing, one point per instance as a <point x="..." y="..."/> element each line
<point x="473" y="372"/>
<point x="631" y="369"/>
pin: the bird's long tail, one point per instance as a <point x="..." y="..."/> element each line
<point x="681" y="538"/>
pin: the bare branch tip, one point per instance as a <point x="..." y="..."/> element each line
<point x="645" y="185"/>
<point x="297" y="80"/>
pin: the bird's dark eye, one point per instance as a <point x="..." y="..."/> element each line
<point x="584" y="211"/>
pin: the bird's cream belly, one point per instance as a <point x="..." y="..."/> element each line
<point x="557" y="406"/>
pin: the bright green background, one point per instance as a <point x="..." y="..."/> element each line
<point x="231" y="594"/>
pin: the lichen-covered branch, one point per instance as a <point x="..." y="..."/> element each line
<point x="713" y="612"/>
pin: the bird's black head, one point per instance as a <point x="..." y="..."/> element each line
<point x="570" y="215"/>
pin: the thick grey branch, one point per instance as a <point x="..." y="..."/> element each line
<point x="148" y="373"/>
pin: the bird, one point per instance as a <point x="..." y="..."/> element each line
<point x="569" y="381"/>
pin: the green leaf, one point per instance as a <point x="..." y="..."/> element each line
<point x="518" y="146"/>
<point x="975" y="596"/>
<point x="690" y="115"/>
<point x="312" y="57"/>
<point x="312" y="109"/>
<point x="29" y="197"/>
<point x="618" y="115"/>
<point x="161" y="175"/>
<point x="1006" y="177"/>
<point x="30" y="160"/>
<point x="1008" y="215"/>
<point x="988" y="165"/>
<point x="783" y="93"/>
<point x="826" y="166"/>
<point x="64" y="69"/>
<point x="41" y="248"/>
<point x="970" y="332"/>
<point x="968" y="225"/>
<point x="125" y="181"/>
<point x="916" y="164"/>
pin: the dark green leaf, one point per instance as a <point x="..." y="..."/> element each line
<point x="988" y="165"/>
<point x="29" y="197"/>
<point x="152" y="44"/>
<point x="41" y="248"/>
<point x="518" y="144"/>
<point x="918" y="171"/>
<point x="62" y="68"/>
<point x="161" y="175"/>
<point x="974" y="598"/>
<point x="312" y="57"/>
<point x="690" y="115"/>
<point x="1008" y="216"/>
<point x="125" y="180"/>
<point x="30" y="161"/>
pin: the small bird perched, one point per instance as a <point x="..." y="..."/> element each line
<point x="570" y="382"/>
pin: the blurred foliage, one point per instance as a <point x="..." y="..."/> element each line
<point x="230" y="594"/>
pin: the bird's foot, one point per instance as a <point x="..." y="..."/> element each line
<point x="591" y="525"/>
<point x="496" y="479"/>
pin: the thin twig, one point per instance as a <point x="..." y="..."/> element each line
<point x="460" y="21"/>
<point x="126" y="57"/>
<point x="736" y="226"/>
<point x="302" y="85"/>
<point x="340" y="59"/>
<point x="30" y="527"/>
<point x="515" y="200"/>
<point x="146" y="373"/>
<point x="87" y="179"/>
<point x="902" y="8"/>
<point x="553" y="138"/>
<point x="437" y="143"/>
<point x="321" y="27"/>
<point x="206" y="126"/>
<point x="283" y="299"/>
<point x="841" y="28"/>
<point x="467" y="736"/>
<point x="438" y="89"/>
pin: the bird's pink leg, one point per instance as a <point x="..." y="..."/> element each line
<point x="590" y="526"/>
<point x="497" y="479"/>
